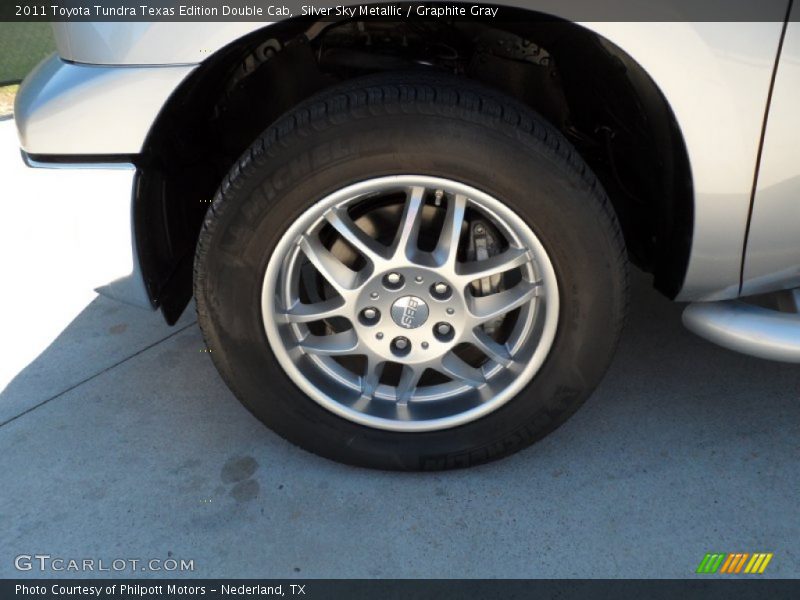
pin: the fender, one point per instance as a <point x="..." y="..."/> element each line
<point x="715" y="76"/>
<point x="772" y="260"/>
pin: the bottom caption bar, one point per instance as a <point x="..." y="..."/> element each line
<point x="389" y="589"/>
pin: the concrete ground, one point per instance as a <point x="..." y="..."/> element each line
<point x="119" y="440"/>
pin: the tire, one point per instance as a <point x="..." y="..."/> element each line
<point x="433" y="127"/>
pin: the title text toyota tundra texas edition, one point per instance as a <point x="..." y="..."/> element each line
<point x="408" y="241"/>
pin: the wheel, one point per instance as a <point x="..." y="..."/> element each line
<point x="411" y="272"/>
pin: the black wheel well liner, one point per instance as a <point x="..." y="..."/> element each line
<point x="596" y="94"/>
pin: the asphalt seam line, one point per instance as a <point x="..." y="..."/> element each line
<point x="114" y="366"/>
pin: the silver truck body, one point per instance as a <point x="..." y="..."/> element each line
<point x="732" y="87"/>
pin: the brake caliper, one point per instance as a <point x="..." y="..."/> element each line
<point x="483" y="244"/>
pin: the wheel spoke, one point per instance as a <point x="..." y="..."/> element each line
<point x="494" y="350"/>
<point x="447" y="247"/>
<point x="495" y="265"/>
<point x="371" y="378"/>
<point x="331" y="268"/>
<point x="409" y="379"/>
<point x="455" y="367"/>
<point x="485" y="308"/>
<point x="405" y="244"/>
<point x="307" y="313"/>
<point x="371" y="249"/>
<point x="337" y="344"/>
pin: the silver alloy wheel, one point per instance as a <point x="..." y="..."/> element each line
<point x="387" y="327"/>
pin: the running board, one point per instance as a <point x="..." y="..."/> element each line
<point x="747" y="328"/>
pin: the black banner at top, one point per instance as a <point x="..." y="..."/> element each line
<point x="269" y="10"/>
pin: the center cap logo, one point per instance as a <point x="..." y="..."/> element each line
<point x="409" y="312"/>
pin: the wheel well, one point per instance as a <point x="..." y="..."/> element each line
<point x="597" y="95"/>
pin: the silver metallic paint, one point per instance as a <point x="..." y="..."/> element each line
<point x="746" y="328"/>
<point x="715" y="77"/>
<point x="166" y="43"/>
<point x="70" y="109"/>
<point x="772" y="260"/>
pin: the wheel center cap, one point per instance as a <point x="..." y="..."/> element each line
<point x="409" y="312"/>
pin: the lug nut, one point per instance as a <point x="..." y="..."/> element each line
<point x="393" y="281"/>
<point x="401" y="346"/>
<point x="370" y="316"/>
<point x="450" y="311"/>
<point x="443" y="332"/>
<point x="440" y="290"/>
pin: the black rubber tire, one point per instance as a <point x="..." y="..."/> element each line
<point x="411" y="124"/>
